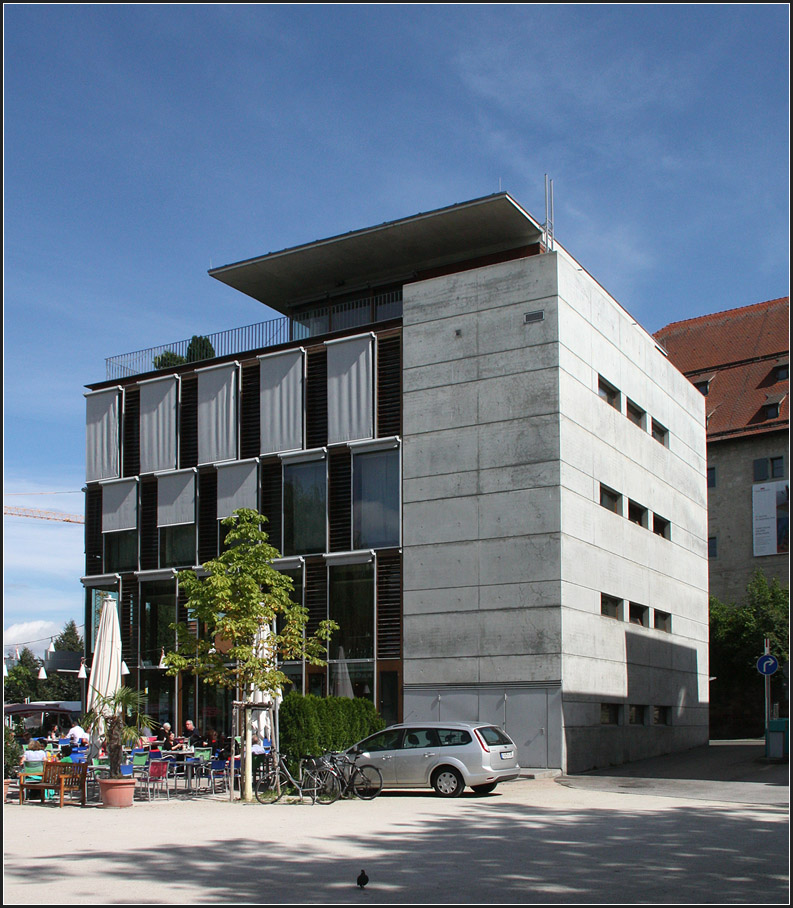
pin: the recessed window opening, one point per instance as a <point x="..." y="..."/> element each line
<point x="660" y="433"/>
<point x="609" y="714"/>
<point x="662" y="715"/>
<point x="608" y="393"/>
<point x="610" y="607"/>
<point x="637" y="714"/>
<point x="711" y="477"/>
<point x="637" y="513"/>
<point x="635" y="414"/>
<point x="610" y="499"/>
<point x="713" y="547"/>
<point x="662" y="621"/>
<point x="777" y="467"/>
<point x="661" y="526"/>
<point x="639" y="614"/>
<point x="771" y="411"/>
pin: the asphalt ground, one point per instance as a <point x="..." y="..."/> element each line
<point x="706" y="827"/>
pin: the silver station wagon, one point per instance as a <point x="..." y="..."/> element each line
<point x="444" y="755"/>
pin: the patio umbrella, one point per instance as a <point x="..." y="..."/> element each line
<point x="105" y="678"/>
<point x="342" y="685"/>
<point x="262" y="719"/>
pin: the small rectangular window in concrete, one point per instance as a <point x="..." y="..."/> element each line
<point x="711" y="477"/>
<point x="610" y="607"/>
<point x="637" y="513"/>
<point x="635" y="414"/>
<point x="608" y="392"/>
<point x="660" y="433"/>
<point x="662" y="621"/>
<point x="662" y="715"/>
<point x="639" y="614"/>
<point x="610" y="499"/>
<point x="661" y="526"/>
<point x="609" y="714"/>
<point x="637" y="714"/>
<point x="713" y="547"/>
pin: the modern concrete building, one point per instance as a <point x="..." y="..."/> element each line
<point x="471" y="457"/>
<point x="739" y="360"/>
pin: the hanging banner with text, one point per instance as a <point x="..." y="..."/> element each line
<point x="770" y="518"/>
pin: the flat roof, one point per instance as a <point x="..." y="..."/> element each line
<point x="390" y="252"/>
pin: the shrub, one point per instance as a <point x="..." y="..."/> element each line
<point x="310" y="726"/>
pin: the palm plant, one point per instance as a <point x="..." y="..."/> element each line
<point x="120" y="715"/>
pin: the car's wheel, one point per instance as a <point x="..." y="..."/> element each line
<point x="448" y="782"/>
<point x="484" y="789"/>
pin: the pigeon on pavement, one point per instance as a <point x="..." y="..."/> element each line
<point x="363" y="879"/>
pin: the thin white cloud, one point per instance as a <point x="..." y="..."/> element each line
<point x="35" y="635"/>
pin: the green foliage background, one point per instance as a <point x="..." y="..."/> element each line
<point x="737" y="633"/>
<point x="310" y="726"/>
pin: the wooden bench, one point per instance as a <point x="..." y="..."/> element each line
<point x="60" y="777"/>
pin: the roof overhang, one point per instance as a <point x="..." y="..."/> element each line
<point x="391" y="252"/>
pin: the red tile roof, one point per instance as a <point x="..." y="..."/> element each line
<point x="738" y="353"/>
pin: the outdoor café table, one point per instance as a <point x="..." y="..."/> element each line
<point x="186" y="761"/>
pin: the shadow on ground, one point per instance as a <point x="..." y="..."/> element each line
<point x="481" y="850"/>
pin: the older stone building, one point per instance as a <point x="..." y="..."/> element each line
<point x="471" y="457"/>
<point x="739" y="361"/>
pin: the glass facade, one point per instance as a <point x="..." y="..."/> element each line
<point x="177" y="546"/>
<point x="376" y="482"/>
<point x="121" y="551"/>
<point x="351" y="606"/>
<point x="305" y="508"/>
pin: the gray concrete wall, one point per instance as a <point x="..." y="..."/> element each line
<point x="481" y="477"/>
<point x="730" y="514"/>
<point x="608" y="660"/>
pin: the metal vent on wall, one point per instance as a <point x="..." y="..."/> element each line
<point x="536" y="316"/>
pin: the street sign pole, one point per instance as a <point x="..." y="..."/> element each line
<point x="767" y="685"/>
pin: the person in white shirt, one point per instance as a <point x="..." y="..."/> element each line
<point x="77" y="735"/>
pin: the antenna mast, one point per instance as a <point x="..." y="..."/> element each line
<point x="548" y="228"/>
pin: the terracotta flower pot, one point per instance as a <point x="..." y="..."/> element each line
<point x="117" y="792"/>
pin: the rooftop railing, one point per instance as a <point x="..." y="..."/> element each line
<point x="312" y="323"/>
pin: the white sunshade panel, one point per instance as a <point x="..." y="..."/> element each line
<point x="119" y="505"/>
<point x="158" y="403"/>
<point x="237" y="487"/>
<point x="350" y="389"/>
<point x="101" y="434"/>
<point x="217" y="413"/>
<point x="176" y="498"/>
<point x="281" y="401"/>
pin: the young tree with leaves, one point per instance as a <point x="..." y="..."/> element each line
<point x="737" y="635"/>
<point x="242" y="594"/>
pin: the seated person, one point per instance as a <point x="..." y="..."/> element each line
<point x="170" y="742"/>
<point x="77" y="735"/>
<point x="259" y="747"/>
<point x="36" y="753"/>
<point x="192" y="738"/>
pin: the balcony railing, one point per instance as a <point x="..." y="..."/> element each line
<point x="312" y="323"/>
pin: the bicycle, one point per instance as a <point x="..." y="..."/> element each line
<point x="364" y="782"/>
<point x="313" y="782"/>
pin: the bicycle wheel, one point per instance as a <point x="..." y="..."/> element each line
<point x="324" y="784"/>
<point x="367" y="782"/>
<point x="267" y="792"/>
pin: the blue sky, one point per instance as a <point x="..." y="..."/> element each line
<point x="145" y="144"/>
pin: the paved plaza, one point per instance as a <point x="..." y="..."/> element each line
<point x="710" y="826"/>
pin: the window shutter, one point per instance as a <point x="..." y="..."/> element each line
<point x="188" y="421"/>
<point x="389" y="386"/>
<point x="389" y="605"/>
<point x="339" y="499"/>
<point x="207" y="515"/>
<point x="149" y="539"/>
<point x="131" y="441"/>
<point x="250" y="419"/>
<point x="316" y="398"/>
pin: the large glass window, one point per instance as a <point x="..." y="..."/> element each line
<point x="305" y="508"/>
<point x="177" y="546"/>
<point x="157" y="614"/>
<point x="121" y="551"/>
<point x="351" y="606"/>
<point x="376" y="499"/>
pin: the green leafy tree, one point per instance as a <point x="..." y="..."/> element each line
<point x="64" y="686"/>
<point x="241" y="594"/>
<point x="737" y="635"/>
<point x="199" y="348"/>
<point x="168" y="359"/>
<point x="22" y="681"/>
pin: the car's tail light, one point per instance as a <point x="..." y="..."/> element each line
<point x="481" y="741"/>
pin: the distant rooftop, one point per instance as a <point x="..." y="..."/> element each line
<point x="740" y="359"/>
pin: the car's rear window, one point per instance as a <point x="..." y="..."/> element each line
<point x="493" y="736"/>
<point x="453" y="737"/>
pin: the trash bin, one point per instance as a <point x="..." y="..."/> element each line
<point x="776" y="739"/>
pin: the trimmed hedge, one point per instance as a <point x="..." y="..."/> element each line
<point x="310" y="725"/>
